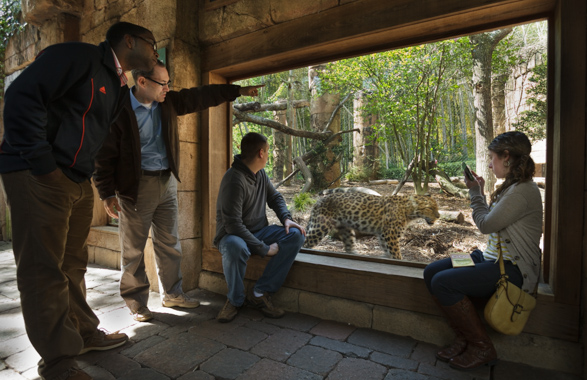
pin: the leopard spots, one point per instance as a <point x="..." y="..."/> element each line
<point x="352" y="212"/>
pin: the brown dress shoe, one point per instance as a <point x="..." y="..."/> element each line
<point x="142" y="314"/>
<point x="228" y="313"/>
<point x="264" y="304"/>
<point x="102" y="341"/>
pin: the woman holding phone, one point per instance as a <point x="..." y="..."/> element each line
<point x="512" y="219"/>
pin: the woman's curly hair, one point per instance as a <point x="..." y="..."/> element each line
<point x="521" y="165"/>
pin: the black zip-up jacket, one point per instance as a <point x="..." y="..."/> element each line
<point x="58" y="110"/>
<point x="241" y="205"/>
<point x="118" y="164"/>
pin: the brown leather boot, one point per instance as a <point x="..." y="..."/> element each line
<point x="479" y="350"/>
<point x="455" y="348"/>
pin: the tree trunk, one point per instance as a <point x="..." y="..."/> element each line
<point x="498" y="103"/>
<point x="443" y="113"/>
<point x="279" y="147"/>
<point x="482" y="46"/>
<point x="289" y="155"/>
<point x="291" y="122"/>
<point x="463" y="124"/>
<point x="365" y="148"/>
<point x="326" y="170"/>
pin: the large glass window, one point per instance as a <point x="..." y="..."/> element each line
<point x="405" y="120"/>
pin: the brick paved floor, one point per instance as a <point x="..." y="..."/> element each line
<point x="191" y="345"/>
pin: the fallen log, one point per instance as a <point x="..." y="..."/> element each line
<point x="449" y="188"/>
<point x="384" y="182"/>
<point x="452" y="216"/>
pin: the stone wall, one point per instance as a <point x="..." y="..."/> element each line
<point x="246" y="16"/>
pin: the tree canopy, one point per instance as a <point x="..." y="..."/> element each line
<point x="421" y="100"/>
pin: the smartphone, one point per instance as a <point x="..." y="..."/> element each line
<point x="468" y="172"/>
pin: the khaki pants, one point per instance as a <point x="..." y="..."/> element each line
<point x="156" y="210"/>
<point x="50" y="224"/>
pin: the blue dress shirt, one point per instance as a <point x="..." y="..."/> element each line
<point x="153" y="152"/>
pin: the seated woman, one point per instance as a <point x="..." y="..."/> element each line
<point x="513" y="218"/>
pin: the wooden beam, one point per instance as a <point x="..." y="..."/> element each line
<point x="215" y="159"/>
<point x="362" y="27"/>
<point x="568" y="176"/>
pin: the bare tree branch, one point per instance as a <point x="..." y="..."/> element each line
<point x="277" y="106"/>
<point x="305" y="172"/>
<point x="406" y="175"/>
<point x="310" y="155"/>
<point x="326" y="137"/>
<point x="280" y="127"/>
<point x="287" y="178"/>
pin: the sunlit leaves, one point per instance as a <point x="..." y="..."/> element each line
<point x="9" y="22"/>
<point x="402" y="85"/>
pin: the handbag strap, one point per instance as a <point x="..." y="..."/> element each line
<point x="500" y="257"/>
<point x="504" y="279"/>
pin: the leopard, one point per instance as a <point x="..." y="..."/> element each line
<point x="383" y="216"/>
<point x="355" y="189"/>
<point x="348" y="190"/>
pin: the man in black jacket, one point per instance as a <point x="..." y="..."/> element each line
<point x="136" y="163"/>
<point x="242" y="229"/>
<point x="57" y="114"/>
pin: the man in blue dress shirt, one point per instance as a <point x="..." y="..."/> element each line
<point x="137" y="174"/>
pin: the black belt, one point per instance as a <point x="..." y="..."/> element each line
<point x="156" y="173"/>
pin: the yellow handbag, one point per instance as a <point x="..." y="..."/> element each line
<point x="508" y="310"/>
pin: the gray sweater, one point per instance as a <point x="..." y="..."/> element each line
<point x="241" y="205"/>
<point x="517" y="216"/>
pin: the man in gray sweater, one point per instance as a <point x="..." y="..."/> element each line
<point x="242" y="229"/>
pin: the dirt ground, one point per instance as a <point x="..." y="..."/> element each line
<point x="420" y="242"/>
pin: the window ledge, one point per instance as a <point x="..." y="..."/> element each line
<point x="390" y="268"/>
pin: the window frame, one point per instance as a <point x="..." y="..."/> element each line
<point x="278" y="48"/>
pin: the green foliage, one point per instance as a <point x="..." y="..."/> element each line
<point x="358" y="174"/>
<point x="533" y="121"/>
<point x="9" y="24"/>
<point x="392" y="173"/>
<point x="402" y="87"/>
<point x="9" y="20"/>
<point x="303" y="202"/>
<point x="455" y="169"/>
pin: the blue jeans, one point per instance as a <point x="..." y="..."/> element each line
<point x="450" y="285"/>
<point x="235" y="255"/>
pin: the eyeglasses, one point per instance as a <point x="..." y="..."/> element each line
<point x="162" y="84"/>
<point x="152" y="43"/>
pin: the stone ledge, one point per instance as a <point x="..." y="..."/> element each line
<point x="104" y="237"/>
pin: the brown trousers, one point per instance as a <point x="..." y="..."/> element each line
<point x="50" y="225"/>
